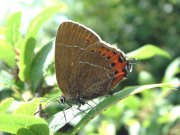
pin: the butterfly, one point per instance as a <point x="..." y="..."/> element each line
<point x="86" y="66"/>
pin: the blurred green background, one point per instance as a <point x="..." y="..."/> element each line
<point x="125" y="23"/>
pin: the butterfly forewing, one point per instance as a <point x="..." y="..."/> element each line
<point x="71" y="39"/>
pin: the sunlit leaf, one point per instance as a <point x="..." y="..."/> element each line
<point x="13" y="25"/>
<point x="6" y="79"/>
<point x="5" y="104"/>
<point x="28" y="108"/>
<point x="23" y="125"/>
<point x="44" y="16"/>
<point x="26" y="57"/>
<point x="7" y="54"/>
<point x="35" y="25"/>
<point x="148" y="51"/>
<point x="39" y="65"/>
<point x="109" y="101"/>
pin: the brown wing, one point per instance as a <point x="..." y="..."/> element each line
<point x="71" y="39"/>
<point x="98" y="71"/>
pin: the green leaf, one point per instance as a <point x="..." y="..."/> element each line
<point x="34" y="27"/>
<point x="6" y="79"/>
<point x="44" y="16"/>
<point x="39" y="65"/>
<point x="7" y="53"/>
<point x="5" y="104"/>
<point x="28" y="108"/>
<point x="107" y="102"/>
<point x="172" y="70"/>
<point x="23" y="124"/>
<point x="113" y="100"/>
<point x="13" y="25"/>
<point x="147" y="51"/>
<point x="26" y="57"/>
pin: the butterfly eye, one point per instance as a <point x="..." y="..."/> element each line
<point x="63" y="99"/>
<point x="129" y="67"/>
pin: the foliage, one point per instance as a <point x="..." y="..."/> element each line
<point x="22" y="120"/>
<point x="149" y="29"/>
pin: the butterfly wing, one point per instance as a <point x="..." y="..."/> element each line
<point x="71" y="39"/>
<point x="98" y="71"/>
